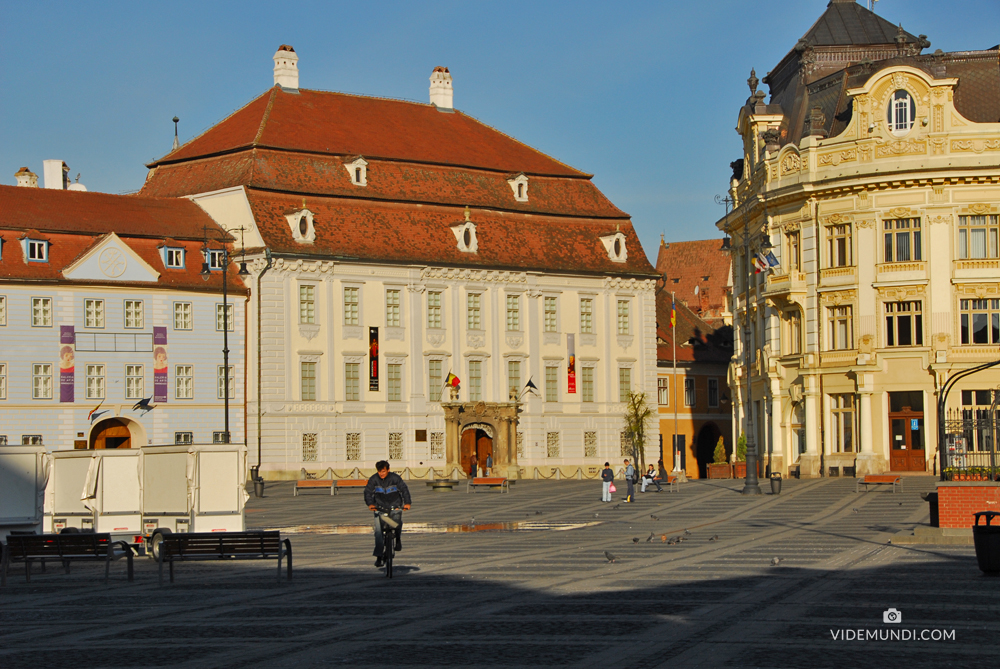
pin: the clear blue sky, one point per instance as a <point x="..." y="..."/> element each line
<point x="644" y="95"/>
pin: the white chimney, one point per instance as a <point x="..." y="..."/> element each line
<point x="56" y="174"/>
<point x="286" y="69"/>
<point x="442" y="94"/>
<point x="26" y="178"/>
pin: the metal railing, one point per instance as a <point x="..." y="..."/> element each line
<point x="971" y="444"/>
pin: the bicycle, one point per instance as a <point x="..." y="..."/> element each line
<point x="389" y="529"/>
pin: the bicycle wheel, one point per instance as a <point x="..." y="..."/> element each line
<point x="389" y="549"/>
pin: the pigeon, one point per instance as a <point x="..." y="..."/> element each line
<point x="672" y="541"/>
<point x="855" y="511"/>
<point x="615" y="506"/>
<point x="595" y="515"/>
<point x="635" y="540"/>
<point x="654" y="517"/>
<point x="538" y="513"/>
<point x="649" y="538"/>
<point x="687" y="531"/>
<point x="714" y="538"/>
<point x="610" y="557"/>
<point x="901" y="504"/>
<point x="775" y="561"/>
<point x="679" y="538"/>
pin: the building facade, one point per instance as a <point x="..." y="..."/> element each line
<point x="873" y="173"/>
<point x="394" y="244"/>
<point x="110" y="336"/>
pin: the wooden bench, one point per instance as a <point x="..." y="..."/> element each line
<point x="671" y="482"/>
<point x="224" y="546"/>
<point x="489" y="481"/>
<point x="75" y="547"/>
<point x="313" y="484"/>
<point x="879" y="479"/>
<point x="347" y="484"/>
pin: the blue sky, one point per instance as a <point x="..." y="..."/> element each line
<point x="644" y="95"/>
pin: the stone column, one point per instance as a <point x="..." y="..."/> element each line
<point x="452" y="435"/>
<point x="867" y="462"/>
<point x="513" y="470"/>
<point x="810" y="463"/>
<point x="778" y="442"/>
<point x="502" y="448"/>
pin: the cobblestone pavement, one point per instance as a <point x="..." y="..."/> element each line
<point x="545" y="596"/>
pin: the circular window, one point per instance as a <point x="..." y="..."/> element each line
<point x="303" y="226"/>
<point x="618" y="247"/>
<point x="901" y="112"/>
<point x="467" y="238"/>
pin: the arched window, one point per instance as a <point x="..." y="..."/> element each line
<point x="901" y="113"/>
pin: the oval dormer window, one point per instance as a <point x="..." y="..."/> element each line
<point x="303" y="226"/>
<point x="901" y="113"/>
<point x="618" y="247"/>
<point x="467" y="238"/>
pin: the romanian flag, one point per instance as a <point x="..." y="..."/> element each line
<point x="452" y="380"/>
<point x="673" y="312"/>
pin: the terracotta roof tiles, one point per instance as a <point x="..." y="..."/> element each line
<point x="700" y="264"/>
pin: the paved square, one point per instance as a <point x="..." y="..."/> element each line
<point x="539" y="592"/>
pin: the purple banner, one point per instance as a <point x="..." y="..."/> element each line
<point x="67" y="362"/>
<point x="159" y="364"/>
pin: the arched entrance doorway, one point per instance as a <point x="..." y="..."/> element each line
<point x="708" y="437"/>
<point x="476" y="438"/>
<point x="116" y="433"/>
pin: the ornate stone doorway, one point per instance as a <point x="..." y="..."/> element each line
<point x="483" y="428"/>
<point x="476" y="438"/>
<point x="111" y="433"/>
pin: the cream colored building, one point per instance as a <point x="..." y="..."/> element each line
<point x="874" y="173"/>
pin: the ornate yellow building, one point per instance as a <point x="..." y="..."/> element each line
<point x="873" y="171"/>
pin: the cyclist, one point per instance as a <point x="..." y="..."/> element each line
<point x="386" y="491"/>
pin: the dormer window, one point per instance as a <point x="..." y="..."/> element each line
<point x="301" y="224"/>
<point x="38" y="250"/>
<point x="901" y="112"/>
<point x="519" y="185"/>
<point x="465" y="234"/>
<point x="358" y="170"/>
<point x="173" y="257"/>
<point x="615" y="246"/>
<point x="215" y="259"/>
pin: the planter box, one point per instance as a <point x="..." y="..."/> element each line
<point x="740" y="470"/>
<point x="723" y="471"/>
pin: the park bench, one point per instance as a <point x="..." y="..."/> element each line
<point x="313" y="484"/>
<point x="75" y="547"/>
<point x="224" y="546"/>
<point x="879" y="479"/>
<point x="671" y="482"/>
<point x="347" y="484"/>
<point x="489" y="481"/>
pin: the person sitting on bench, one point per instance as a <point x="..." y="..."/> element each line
<point x="650" y="477"/>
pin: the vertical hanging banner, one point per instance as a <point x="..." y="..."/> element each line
<point x="373" y="358"/>
<point x="159" y="364"/>
<point x="571" y="368"/>
<point x="67" y="362"/>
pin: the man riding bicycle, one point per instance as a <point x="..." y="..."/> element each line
<point x="386" y="492"/>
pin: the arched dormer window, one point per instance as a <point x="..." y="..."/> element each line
<point x="615" y="246"/>
<point x="301" y="224"/>
<point x="465" y="235"/>
<point x="519" y="185"/>
<point x="901" y="112"/>
<point x="358" y="171"/>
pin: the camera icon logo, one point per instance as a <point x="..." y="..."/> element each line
<point x="892" y="616"/>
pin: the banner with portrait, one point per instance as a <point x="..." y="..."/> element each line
<point x="571" y="367"/>
<point x="372" y="358"/>
<point x="160" y="366"/>
<point x="67" y="362"/>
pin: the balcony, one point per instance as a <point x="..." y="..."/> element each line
<point x="838" y="275"/>
<point x="783" y="285"/>
<point x="919" y="266"/>
<point x="842" y="358"/>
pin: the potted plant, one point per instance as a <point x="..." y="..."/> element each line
<point x="720" y="469"/>
<point x="740" y="468"/>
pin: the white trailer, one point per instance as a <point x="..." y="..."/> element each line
<point x="23" y="476"/>
<point x="98" y="490"/>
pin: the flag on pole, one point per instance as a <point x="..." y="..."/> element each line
<point x="452" y="380"/>
<point x="530" y="387"/>
<point x="673" y="311"/>
<point x="771" y="260"/>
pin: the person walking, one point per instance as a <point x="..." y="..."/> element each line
<point x="489" y="464"/>
<point x="629" y="481"/>
<point x="473" y="466"/>
<point x="650" y="477"/>
<point x="608" y="478"/>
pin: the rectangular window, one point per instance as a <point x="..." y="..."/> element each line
<point x="93" y="313"/>
<point x="551" y="384"/>
<point x="474" y="301"/>
<point x="310" y="447"/>
<point x="31" y="440"/>
<point x="838" y="239"/>
<point x="3" y="310"/>
<point x="587" y="383"/>
<point x="308" y="373"/>
<point x="901" y="240"/>
<point x="307" y="304"/>
<point x="41" y="381"/>
<point x="586" y="316"/>
<point x="395" y="445"/>
<point x="38" y="251"/>
<point x="183" y="437"/>
<point x="977" y="236"/>
<point x="220" y="381"/>
<point x="550" y="323"/>
<point x="663" y="391"/>
<point x="623" y="319"/>
<point x="175" y="257"/>
<point x="183" y="316"/>
<point x="904" y="324"/>
<point x="624" y="384"/>
<point x="980" y="321"/>
<point x="841" y="328"/>
<point x="394" y="374"/>
<point x="41" y="312"/>
<point x="437" y="445"/>
<point x="475" y="380"/>
<point x="95" y="382"/>
<point x="433" y="309"/>
<point x="219" y="438"/>
<point x="392" y="319"/>
<point x="133" y="314"/>
<point x="843" y="423"/>
<point x="513" y="313"/>
<point x="3" y="381"/>
<point x="689" y="393"/>
<point x="352" y="386"/>
<point x="590" y="444"/>
<point x="513" y="378"/>
<point x="351" y="316"/>
<point x="134" y="382"/>
<point x="184" y="382"/>
<point x="552" y="444"/>
<point x="713" y="393"/>
<point x="353" y="445"/>
<point x="216" y="258"/>
<point x="794" y="250"/>
<point x="435" y="380"/>
<point x="224" y="318"/>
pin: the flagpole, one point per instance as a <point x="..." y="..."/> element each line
<point x="673" y="338"/>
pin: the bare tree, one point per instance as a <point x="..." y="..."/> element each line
<point x="638" y="420"/>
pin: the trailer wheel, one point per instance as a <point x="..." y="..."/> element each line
<point x="155" y="540"/>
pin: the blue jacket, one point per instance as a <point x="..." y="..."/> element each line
<point x="607" y="474"/>
<point x="387" y="492"/>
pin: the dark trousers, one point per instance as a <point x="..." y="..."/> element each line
<point x="395" y="514"/>
<point x="631" y="489"/>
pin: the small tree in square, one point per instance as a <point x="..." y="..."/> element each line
<point x="638" y="420"/>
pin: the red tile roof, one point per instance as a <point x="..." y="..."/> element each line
<point x="686" y="265"/>
<point x="351" y="125"/>
<point x="697" y="340"/>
